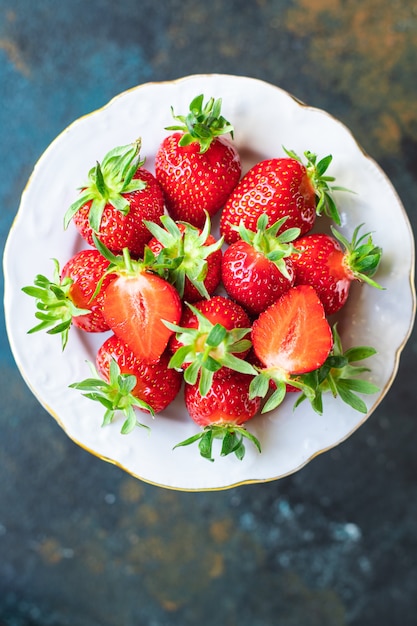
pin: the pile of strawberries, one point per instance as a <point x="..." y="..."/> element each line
<point x="234" y="322"/>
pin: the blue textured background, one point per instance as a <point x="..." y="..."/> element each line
<point x="81" y="542"/>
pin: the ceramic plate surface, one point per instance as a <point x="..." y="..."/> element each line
<point x="265" y="119"/>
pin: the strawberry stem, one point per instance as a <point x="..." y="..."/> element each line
<point x="269" y="241"/>
<point x="339" y="376"/>
<point x="231" y="436"/>
<point x="202" y="124"/>
<point x="115" y="395"/>
<point x="316" y="170"/>
<point x="107" y="182"/>
<point x="55" y="308"/>
<point x="208" y="348"/>
<point x="184" y="253"/>
<point x="362" y="257"/>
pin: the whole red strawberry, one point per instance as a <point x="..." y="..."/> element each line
<point x="196" y="166"/>
<point x="156" y="383"/>
<point x="280" y="187"/>
<point x="118" y="195"/>
<point x="213" y="337"/>
<point x="331" y="263"/>
<point x="257" y="268"/>
<point x="221" y="413"/>
<point x="86" y="269"/>
<point x="70" y="297"/>
<point x="192" y="255"/>
<point x="125" y="383"/>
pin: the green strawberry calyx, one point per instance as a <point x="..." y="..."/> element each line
<point x="203" y="123"/>
<point x="340" y="376"/>
<point x="279" y="380"/>
<point x="124" y="265"/>
<point x="276" y="246"/>
<point x="55" y="308"/>
<point x="184" y="252"/>
<point x="316" y="170"/>
<point x="208" y="348"/>
<point x="108" y="182"/>
<point x="232" y="440"/>
<point x="362" y="257"/>
<point x="115" y="395"/>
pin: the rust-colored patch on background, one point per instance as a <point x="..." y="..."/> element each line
<point x="175" y="559"/>
<point x="360" y="50"/>
<point x="15" y="56"/>
<point x="12" y="50"/>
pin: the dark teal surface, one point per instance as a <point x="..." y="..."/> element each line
<point x="81" y="542"/>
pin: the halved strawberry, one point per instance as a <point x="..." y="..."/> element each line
<point x="281" y="187"/>
<point x="196" y="166"/>
<point x="117" y="196"/>
<point x="70" y="298"/>
<point x="221" y="413"/>
<point x="291" y="337"/>
<point x="331" y="263"/>
<point x="137" y="303"/>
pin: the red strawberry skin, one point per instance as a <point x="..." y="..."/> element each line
<point x="157" y="384"/>
<point x="293" y="334"/>
<point x="222" y="310"/>
<point x="251" y="279"/>
<point x="86" y="268"/>
<point x="227" y="401"/>
<point x="118" y="231"/>
<point x="134" y="307"/>
<point x="322" y="265"/>
<point x="218" y="310"/>
<point x="277" y="187"/>
<point x="195" y="182"/>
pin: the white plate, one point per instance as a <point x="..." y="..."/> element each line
<point x="265" y="119"/>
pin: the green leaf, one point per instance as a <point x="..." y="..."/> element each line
<point x="229" y="443"/>
<point x="205" y="444"/>
<point x="181" y="356"/>
<point x="202" y="123"/>
<point x="116" y="395"/>
<point x="191" y="373"/>
<point x="107" y="182"/>
<point x="259" y="386"/>
<point x="206" y="378"/>
<point x="359" y="385"/>
<point x="238" y="365"/>
<point x="251" y="437"/>
<point x="96" y="213"/>
<point x="276" y="398"/>
<point x="130" y="423"/>
<point x="189" y="441"/>
<point x="351" y="398"/>
<point x="216" y="335"/>
<point x="359" y="353"/>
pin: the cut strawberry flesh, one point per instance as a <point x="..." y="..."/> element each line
<point x="293" y="335"/>
<point x="134" y="308"/>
